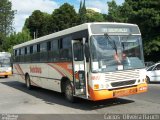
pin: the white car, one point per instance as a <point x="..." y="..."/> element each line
<point x="153" y="73"/>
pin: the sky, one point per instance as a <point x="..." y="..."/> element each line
<point x="24" y="8"/>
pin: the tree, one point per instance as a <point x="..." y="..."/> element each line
<point x="63" y="18"/>
<point x="16" y="38"/>
<point x="144" y="13"/>
<point x="2" y="38"/>
<point x="92" y="16"/>
<point x="38" y="24"/>
<point x="117" y="13"/>
<point x="82" y="12"/>
<point x="6" y="19"/>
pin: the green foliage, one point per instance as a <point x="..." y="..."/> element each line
<point x="92" y="16"/>
<point x="37" y="24"/>
<point x="118" y="13"/>
<point x="2" y="39"/>
<point x="6" y="17"/>
<point x="144" y="13"/>
<point x="6" y="20"/>
<point x="63" y="17"/>
<point x="16" y="38"/>
<point x="82" y="13"/>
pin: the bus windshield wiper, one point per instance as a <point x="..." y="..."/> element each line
<point x="113" y="44"/>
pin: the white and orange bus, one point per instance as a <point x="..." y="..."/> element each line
<point x="93" y="61"/>
<point x="5" y="64"/>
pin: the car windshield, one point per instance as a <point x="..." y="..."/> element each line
<point x="111" y="53"/>
<point x="4" y="62"/>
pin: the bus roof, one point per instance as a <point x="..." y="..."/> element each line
<point x="66" y="32"/>
<point x="5" y="54"/>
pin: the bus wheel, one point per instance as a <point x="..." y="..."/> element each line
<point x="6" y="76"/>
<point x="28" y="82"/>
<point x="69" y="92"/>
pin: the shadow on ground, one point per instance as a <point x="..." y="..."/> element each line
<point x="51" y="97"/>
<point x="154" y="82"/>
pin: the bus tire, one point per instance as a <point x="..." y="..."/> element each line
<point x="6" y="76"/>
<point x="69" y="92"/>
<point x="28" y="82"/>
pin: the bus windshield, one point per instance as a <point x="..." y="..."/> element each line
<point x="117" y="52"/>
<point x="4" y="62"/>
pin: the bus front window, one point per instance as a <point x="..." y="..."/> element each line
<point x="5" y="62"/>
<point x="116" y="53"/>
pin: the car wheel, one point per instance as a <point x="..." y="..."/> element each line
<point x="148" y="80"/>
<point x="69" y="92"/>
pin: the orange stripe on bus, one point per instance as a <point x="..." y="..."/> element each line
<point x="20" y="72"/>
<point x="56" y="69"/>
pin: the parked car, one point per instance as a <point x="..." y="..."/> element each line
<point x="153" y="73"/>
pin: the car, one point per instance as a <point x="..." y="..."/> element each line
<point x="153" y="73"/>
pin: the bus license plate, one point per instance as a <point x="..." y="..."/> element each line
<point x="119" y="93"/>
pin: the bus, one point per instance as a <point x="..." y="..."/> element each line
<point x="5" y="64"/>
<point x="94" y="61"/>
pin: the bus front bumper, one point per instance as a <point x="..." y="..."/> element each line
<point x="96" y="95"/>
<point x="5" y="73"/>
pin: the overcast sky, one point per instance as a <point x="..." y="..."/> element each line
<point x="25" y="8"/>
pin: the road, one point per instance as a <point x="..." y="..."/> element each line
<point x="15" y="98"/>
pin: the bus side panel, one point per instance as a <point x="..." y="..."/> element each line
<point x="45" y="75"/>
<point x="17" y="73"/>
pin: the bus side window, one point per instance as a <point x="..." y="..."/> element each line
<point x="15" y="52"/>
<point x="31" y="49"/>
<point x="28" y="50"/>
<point x="54" y="45"/>
<point x="34" y="48"/>
<point x="43" y="51"/>
<point x="49" y="46"/>
<point x="54" y="54"/>
<point x="22" y="51"/>
<point x="78" y="52"/>
<point x="65" y="49"/>
<point x="38" y="47"/>
<point x="43" y="47"/>
<point x="19" y="52"/>
<point x="25" y="51"/>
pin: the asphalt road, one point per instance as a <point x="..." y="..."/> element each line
<point x="15" y="98"/>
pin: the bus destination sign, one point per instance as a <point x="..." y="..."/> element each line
<point x="114" y="29"/>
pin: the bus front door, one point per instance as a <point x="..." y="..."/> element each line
<point x="79" y="69"/>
